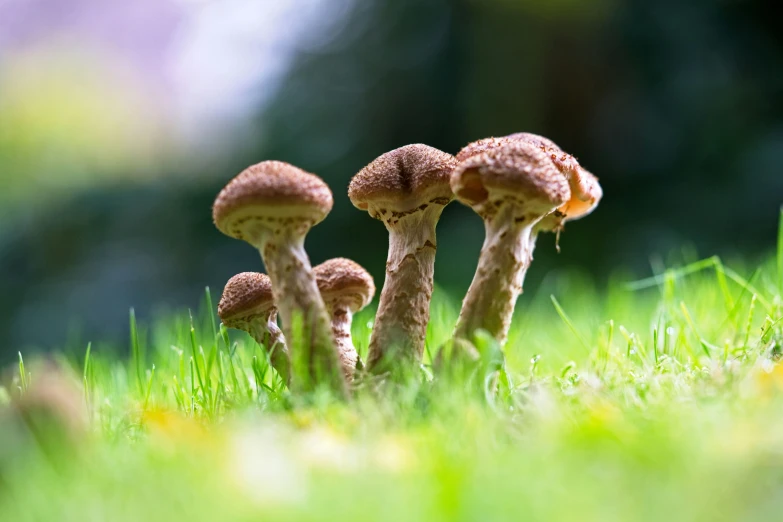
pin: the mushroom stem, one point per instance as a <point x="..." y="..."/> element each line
<point x="404" y="309"/>
<point x="505" y="257"/>
<point x="269" y="335"/>
<point x="297" y="297"/>
<point x="342" y="318"/>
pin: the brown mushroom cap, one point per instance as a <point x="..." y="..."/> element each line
<point x="481" y="146"/>
<point x="246" y="295"/>
<point x="563" y="161"/>
<point x="271" y="191"/>
<point x="516" y="171"/>
<point x="585" y="190"/>
<point x="343" y="279"/>
<point x="403" y="179"/>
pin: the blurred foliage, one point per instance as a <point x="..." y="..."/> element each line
<point x="70" y="120"/>
<point x="676" y="106"/>
<point x="664" y="404"/>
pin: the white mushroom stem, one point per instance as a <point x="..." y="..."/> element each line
<point x="404" y="309"/>
<point x="300" y="303"/>
<point x="497" y="283"/>
<point x="342" y="317"/>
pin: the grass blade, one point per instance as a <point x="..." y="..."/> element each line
<point x="705" y="346"/>
<point x="213" y="325"/>
<point x="23" y="384"/>
<point x="136" y="351"/>
<point x="569" y="323"/>
<point x="149" y="388"/>
<point x="86" y="377"/>
<point x="780" y="253"/>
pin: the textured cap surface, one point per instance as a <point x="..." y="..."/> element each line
<point x="517" y="170"/>
<point x="403" y="177"/>
<point x="584" y="187"/>
<point x="481" y="146"/>
<point x="563" y="161"/>
<point x="585" y="190"/>
<point x="341" y="278"/>
<point x="245" y="294"/>
<point x="272" y="189"/>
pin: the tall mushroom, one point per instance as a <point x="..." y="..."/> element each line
<point x="346" y="288"/>
<point x="512" y="187"/>
<point x="272" y="206"/>
<point x="407" y="189"/>
<point x="247" y="304"/>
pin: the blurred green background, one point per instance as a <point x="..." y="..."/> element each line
<point x="120" y="121"/>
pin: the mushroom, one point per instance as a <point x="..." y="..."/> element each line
<point x="407" y="189"/>
<point x="51" y="407"/>
<point x="585" y="190"/>
<point x="346" y="288"/>
<point x="247" y="304"/>
<point x="272" y="206"/>
<point x="512" y="187"/>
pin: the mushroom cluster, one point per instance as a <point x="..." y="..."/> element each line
<point x="520" y="185"/>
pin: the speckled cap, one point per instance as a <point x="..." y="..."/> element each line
<point x="404" y="179"/>
<point x="481" y="146"/>
<point x="517" y="171"/>
<point x="562" y="160"/>
<point x="585" y="190"/>
<point x="272" y="191"/>
<point x="245" y="295"/>
<point x="584" y="187"/>
<point x="343" y="279"/>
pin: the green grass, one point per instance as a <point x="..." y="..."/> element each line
<point x="649" y="400"/>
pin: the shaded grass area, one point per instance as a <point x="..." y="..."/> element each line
<point x="658" y="399"/>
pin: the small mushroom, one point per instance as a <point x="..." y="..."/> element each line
<point x="51" y="407"/>
<point x="512" y="187"/>
<point x="247" y="304"/>
<point x="407" y="189"/>
<point x="272" y="206"/>
<point x="346" y="288"/>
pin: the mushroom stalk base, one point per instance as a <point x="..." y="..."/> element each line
<point x="400" y="328"/>
<point x="305" y="321"/>
<point x="504" y="260"/>
<point x="341" y="330"/>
